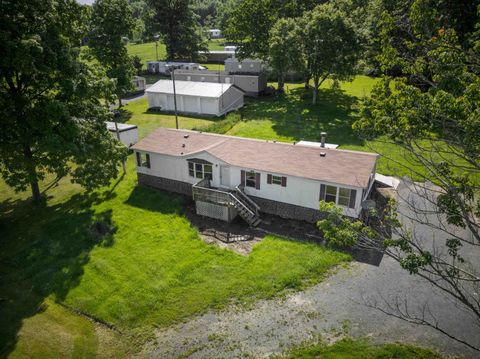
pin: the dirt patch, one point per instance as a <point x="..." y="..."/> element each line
<point x="239" y="237"/>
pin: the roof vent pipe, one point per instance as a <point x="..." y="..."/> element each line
<point x="323" y="136"/>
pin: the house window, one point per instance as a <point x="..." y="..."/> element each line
<point x="251" y="179"/>
<point x="277" y="180"/>
<point x="143" y="160"/>
<point x="331" y="194"/>
<point x="345" y="197"/>
<point x="200" y="170"/>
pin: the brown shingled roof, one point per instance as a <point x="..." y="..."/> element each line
<point x="349" y="168"/>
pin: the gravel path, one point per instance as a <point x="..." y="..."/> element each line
<point x="335" y="305"/>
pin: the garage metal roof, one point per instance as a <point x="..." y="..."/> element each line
<point x="189" y="88"/>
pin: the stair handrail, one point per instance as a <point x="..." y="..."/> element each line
<point x="242" y="204"/>
<point x="248" y="199"/>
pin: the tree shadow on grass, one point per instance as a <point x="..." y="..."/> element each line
<point x="43" y="250"/>
<point x="156" y="200"/>
<point x="293" y="115"/>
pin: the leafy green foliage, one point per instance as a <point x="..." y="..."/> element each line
<point x="50" y="100"/>
<point x="111" y="22"/>
<point x="178" y="27"/>
<point x="329" y="45"/>
<point x="284" y="52"/>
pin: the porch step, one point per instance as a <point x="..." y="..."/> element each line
<point x="245" y="211"/>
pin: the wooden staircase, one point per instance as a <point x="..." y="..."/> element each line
<point x="246" y="207"/>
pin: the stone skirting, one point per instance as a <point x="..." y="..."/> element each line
<point x="287" y="210"/>
<point x="165" y="184"/>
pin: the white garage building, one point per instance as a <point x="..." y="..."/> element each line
<point x="202" y="98"/>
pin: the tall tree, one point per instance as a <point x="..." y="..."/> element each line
<point x="249" y="27"/>
<point x="178" y="27"/>
<point x="284" y="52"/>
<point x="330" y="45"/>
<point x="112" y="21"/>
<point x="50" y="102"/>
<point x="435" y="120"/>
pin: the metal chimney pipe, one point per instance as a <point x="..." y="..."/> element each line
<point x="323" y="136"/>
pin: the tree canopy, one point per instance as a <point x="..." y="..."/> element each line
<point x="52" y="117"/>
<point x="178" y="27"/>
<point x="111" y="23"/>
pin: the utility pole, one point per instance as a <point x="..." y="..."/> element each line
<point x="156" y="38"/>
<point x="175" y="97"/>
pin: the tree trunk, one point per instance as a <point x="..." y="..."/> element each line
<point x="27" y="152"/>
<point x="119" y="101"/>
<point x="315" y="90"/>
<point x="307" y="81"/>
<point x="281" y="83"/>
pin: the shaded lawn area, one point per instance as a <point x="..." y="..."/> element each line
<point x="142" y="265"/>
<point x="362" y="349"/>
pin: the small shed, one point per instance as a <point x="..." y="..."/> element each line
<point x="128" y="133"/>
<point x="200" y="98"/>
<point x="230" y="48"/>
<point x="139" y="83"/>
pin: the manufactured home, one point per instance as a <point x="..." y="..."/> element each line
<point x="199" y="98"/>
<point x="139" y="83"/>
<point x="251" y="84"/>
<point x="214" y="33"/>
<point x="165" y="68"/>
<point x="246" y="66"/>
<point x="124" y="132"/>
<point x="216" y="56"/>
<point x="229" y="176"/>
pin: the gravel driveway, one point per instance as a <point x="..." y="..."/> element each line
<point x="335" y="305"/>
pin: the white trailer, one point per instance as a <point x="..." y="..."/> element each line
<point x="127" y="134"/>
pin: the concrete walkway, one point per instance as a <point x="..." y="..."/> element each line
<point x="335" y="305"/>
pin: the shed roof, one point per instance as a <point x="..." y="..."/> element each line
<point x="121" y="126"/>
<point x="350" y="168"/>
<point x="190" y="88"/>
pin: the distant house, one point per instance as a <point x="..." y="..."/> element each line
<point x="230" y="48"/>
<point x="203" y="98"/>
<point x="251" y="84"/>
<point x="127" y="133"/>
<point x="214" y="33"/>
<point x="216" y="56"/>
<point x="165" y="68"/>
<point x="246" y="66"/>
<point x="229" y="176"/>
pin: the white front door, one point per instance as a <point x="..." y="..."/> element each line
<point x="225" y="176"/>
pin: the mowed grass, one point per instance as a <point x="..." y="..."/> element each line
<point x="136" y="113"/>
<point x="148" y="269"/>
<point x="362" y="349"/>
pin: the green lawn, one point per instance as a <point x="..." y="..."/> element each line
<point x="148" y="121"/>
<point x="141" y="265"/>
<point x="362" y="349"/>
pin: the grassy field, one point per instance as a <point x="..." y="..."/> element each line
<point x="361" y="349"/>
<point x="127" y="256"/>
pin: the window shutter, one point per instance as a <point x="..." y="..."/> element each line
<point x="269" y="179"/>
<point x="242" y="177"/>
<point x="257" y="180"/>
<point x="284" y="181"/>
<point x="322" y="192"/>
<point x="139" y="159"/>
<point x="147" y="158"/>
<point x="353" y="196"/>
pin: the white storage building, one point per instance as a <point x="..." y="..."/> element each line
<point x="128" y="133"/>
<point x="203" y="98"/>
